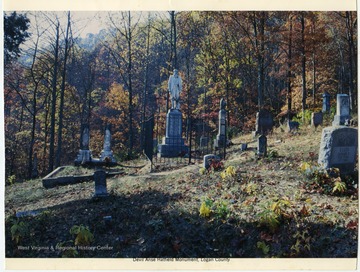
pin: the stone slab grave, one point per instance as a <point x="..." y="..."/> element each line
<point x="338" y="148"/>
<point x="55" y="179"/>
<point x="342" y="110"/>
<point x="316" y="119"/>
<point x="264" y="122"/>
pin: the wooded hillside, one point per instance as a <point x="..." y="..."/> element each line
<point x="58" y="82"/>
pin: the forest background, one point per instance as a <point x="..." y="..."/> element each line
<point x="57" y="81"/>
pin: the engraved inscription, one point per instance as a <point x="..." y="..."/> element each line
<point x="343" y="155"/>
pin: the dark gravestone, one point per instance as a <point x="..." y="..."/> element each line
<point x="100" y="183"/>
<point x="264" y="122"/>
<point x="243" y="147"/>
<point x="173" y="145"/>
<point x="338" y="148"/>
<point x="262" y="146"/>
<point x="293" y="125"/>
<point x="204" y="141"/>
<point x="149" y="128"/>
<point x="316" y="119"/>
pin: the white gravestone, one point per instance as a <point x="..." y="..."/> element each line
<point x="342" y="110"/>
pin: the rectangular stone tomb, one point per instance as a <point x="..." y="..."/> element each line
<point x="54" y="179"/>
<point x="338" y="148"/>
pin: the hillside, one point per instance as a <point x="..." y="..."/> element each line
<point x="261" y="207"/>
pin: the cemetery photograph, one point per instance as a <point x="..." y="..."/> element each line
<point x="182" y="134"/>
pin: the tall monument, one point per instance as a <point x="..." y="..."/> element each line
<point x="173" y="145"/>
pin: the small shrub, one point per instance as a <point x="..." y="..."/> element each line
<point x="19" y="230"/>
<point x="83" y="235"/>
<point x="11" y="179"/>
<point x="222" y="209"/>
<point x="307" y="117"/>
<point x="205" y="209"/>
<point x="264" y="247"/>
<point x="269" y="219"/>
<point x="202" y="171"/>
<point x="219" y="208"/>
<point x="216" y="165"/>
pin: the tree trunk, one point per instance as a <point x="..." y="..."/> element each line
<point x="350" y="40"/>
<point x="53" y="102"/>
<point x="303" y="64"/>
<point x="289" y="69"/>
<point x="131" y="134"/>
<point x="61" y="109"/>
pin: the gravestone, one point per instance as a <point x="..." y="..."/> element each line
<point x="326" y="102"/>
<point x="220" y="140"/>
<point x="264" y="122"/>
<point x="84" y="155"/>
<point x="106" y="153"/>
<point x="243" y="147"/>
<point x="149" y="140"/>
<point x="316" y="119"/>
<point x="100" y="183"/>
<point x="208" y="159"/>
<point x="173" y="145"/>
<point x="338" y="148"/>
<point x="262" y="146"/>
<point x="342" y="110"/>
<point x="292" y="126"/>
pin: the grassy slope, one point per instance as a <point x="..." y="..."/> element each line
<point x="157" y="214"/>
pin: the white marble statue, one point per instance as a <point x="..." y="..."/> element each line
<point x="175" y="86"/>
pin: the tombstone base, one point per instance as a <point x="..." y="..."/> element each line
<point x="84" y="156"/>
<point x="219" y="141"/>
<point x="339" y="120"/>
<point x="173" y="147"/>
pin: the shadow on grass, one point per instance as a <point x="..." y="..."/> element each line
<point x="145" y="224"/>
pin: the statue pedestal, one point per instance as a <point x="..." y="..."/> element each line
<point x="107" y="155"/>
<point x="173" y="144"/>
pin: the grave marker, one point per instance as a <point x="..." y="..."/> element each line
<point x="264" y="122"/>
<point x="262" y="146"/>
<point x="316" y="119"/>
<point x="100" y="183"/>
<point x="338" y="148"/>
<point x="342" y="110"/>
